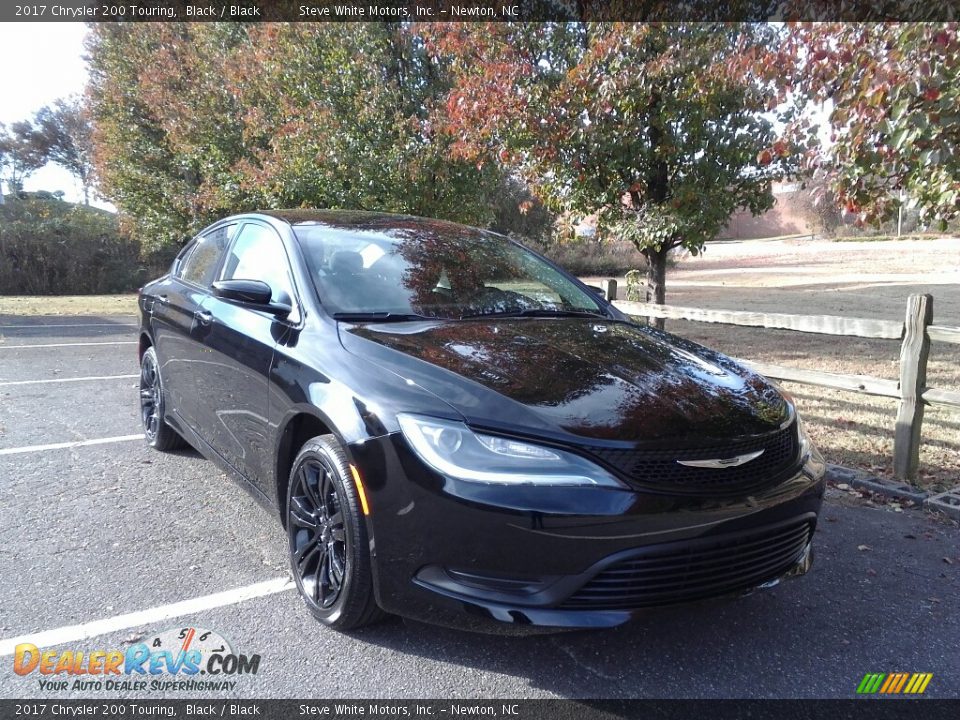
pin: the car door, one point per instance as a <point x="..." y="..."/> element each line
<point x="239" y="343"/>
<point x="174" y="319"/>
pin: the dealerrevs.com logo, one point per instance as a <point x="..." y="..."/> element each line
<point x="188" y="659"/>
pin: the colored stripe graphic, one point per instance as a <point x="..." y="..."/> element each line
<point x="894" y="683"/>
<point x="922" y="680"/>
<point x="870" y="683"/>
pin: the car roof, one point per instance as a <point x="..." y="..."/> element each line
<point x="305" y="216"/>
<point x="366" y="221"/>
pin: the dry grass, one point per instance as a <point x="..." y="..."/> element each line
<point x="68" y="305"/>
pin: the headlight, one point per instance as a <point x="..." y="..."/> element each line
<point x="453" y="449"/>
<point x="806" y="445"/>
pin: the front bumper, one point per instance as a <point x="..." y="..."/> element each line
<point x="513" y="559"/>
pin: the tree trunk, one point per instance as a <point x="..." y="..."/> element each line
<point x="657" y="278"/>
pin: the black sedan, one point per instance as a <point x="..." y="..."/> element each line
<point x="456" y="430"/>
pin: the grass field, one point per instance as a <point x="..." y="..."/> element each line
<point x="68" y="305"/>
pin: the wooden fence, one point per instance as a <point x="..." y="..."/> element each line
<point x="915" y="334"/>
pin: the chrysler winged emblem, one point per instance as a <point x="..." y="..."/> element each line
<point x="722" y="462"/>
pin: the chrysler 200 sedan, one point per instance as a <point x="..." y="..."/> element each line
<point x="455" y="430"/>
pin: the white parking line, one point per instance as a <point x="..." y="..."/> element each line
<point x="73" y="633"/>
<point x="61" y="446"/>
<point x="71" y="325"/>
<point x="50" y="345"/>
<point x="63" y="380"/>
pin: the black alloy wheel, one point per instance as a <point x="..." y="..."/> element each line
<point x="319" y="541"/>
<point x="159" y="435"/>
<point x="328" y="538"/>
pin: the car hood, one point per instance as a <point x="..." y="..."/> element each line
<point x="592" y="379"/>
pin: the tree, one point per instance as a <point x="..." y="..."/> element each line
<point x="21" y="154"/>
<point x="3" y="159"/>
<point x="195" y="121"/>
<point x="64" y="134"/>
<point x="890" y="94"/>
<point x="656" y="127"/>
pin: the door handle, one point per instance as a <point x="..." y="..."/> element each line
<point x="162" y="299"/>
<point x="203" y="317"/>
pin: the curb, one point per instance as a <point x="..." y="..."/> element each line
<point x="947" y="503"/>
<point x="887" y="488"/>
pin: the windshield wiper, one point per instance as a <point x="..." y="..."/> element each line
<point x="534" y="312"/>
<point x="379" y="317"/>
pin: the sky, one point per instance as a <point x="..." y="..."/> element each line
<point x="40" y="63"/>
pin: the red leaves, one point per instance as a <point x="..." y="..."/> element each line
<point x="942" y="39"/>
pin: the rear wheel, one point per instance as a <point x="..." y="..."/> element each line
<point x="159" y="435"/>
<point x="327" y="535"/>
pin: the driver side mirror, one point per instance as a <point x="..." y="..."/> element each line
<point x="255" y="294"/>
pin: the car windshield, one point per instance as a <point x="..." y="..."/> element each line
<point x="406" y="270"/>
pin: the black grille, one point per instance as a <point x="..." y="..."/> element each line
<point x="659" y="469"/>
<point x="694" y="571"/>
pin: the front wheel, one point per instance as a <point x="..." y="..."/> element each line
<point x="159" y="435"/>
<point x="327" y="535"/>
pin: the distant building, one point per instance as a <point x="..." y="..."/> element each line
<point x="791" y="214"/>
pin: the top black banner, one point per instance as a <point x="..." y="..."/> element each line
<point x="480" y="10"/>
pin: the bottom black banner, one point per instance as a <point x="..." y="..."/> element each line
<point x="867" y="709"/>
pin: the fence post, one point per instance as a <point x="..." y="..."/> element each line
<point x="610" y="289"/>
<point x="914" y="350"/>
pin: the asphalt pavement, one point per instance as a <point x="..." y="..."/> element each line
<point x="93" y="532"/>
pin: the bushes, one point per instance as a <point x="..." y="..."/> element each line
<point x="51" y="247"/>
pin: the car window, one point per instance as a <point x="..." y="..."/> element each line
<point x="200" y="265"/>
<point x="436" y="270"/>
<point x="258" y="254"/>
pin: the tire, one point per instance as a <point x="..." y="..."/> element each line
<point x="327" y="538"/>
<point x="159" y="435"/>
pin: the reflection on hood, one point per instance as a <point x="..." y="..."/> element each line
<point x="594" y="379"/>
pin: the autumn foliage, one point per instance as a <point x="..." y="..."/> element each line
<point x="891" y="101"/>
<point x="661" y="130"/>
